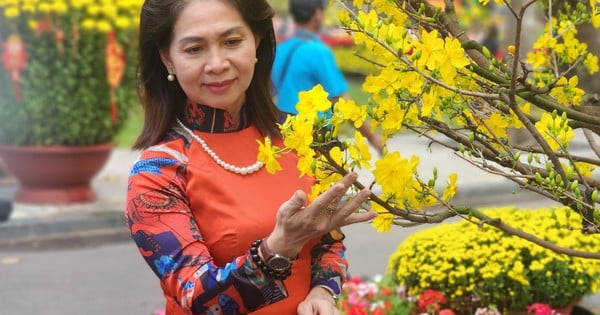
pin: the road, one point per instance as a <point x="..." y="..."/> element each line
<point x="111" y="278"/>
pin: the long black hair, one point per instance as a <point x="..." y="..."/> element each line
<point x="161" y="98"/>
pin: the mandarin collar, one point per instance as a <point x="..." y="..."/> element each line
<point x="213" y="120"/>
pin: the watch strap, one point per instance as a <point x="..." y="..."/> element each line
<point x="268" y="254"/>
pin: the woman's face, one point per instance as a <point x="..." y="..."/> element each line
<point x="212" y="54"/>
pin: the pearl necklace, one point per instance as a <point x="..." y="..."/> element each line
<point x="232" y="168"/>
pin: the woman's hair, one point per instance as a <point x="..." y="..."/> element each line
<point x="161" y="98"/>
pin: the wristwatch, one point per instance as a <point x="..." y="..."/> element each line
<point x="277" y="262"/>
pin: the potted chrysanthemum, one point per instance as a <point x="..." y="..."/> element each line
<point x="476" y="266"/>
<point x="67" y="82"/>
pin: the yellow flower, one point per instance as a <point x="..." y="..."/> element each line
<point x="88" y="24"/>
<point x="350" y="111"/>
<point x="432" y="50"/>
<point x="384" y="219"/>
<point x="360" y="151"/>
<point x="538" y="59"/>
<point x="455" y="53"/>
<point x="103" y="26"/>
<point x="11" y="12"/>
<point x="395" y="173"/>
<point x="60" y="7"/>
<point x="268" y="154"/>
<point x="591" y="62"/>
<point x="451" y="189"/>
<point x="298" y="135"/>
<point x="306" y="165"/>
<point x="313" y="101"/>
<point x="585" y="168"/>
<point x="497" y="125"/>
<point x="122" y="22"/>
<point x="554" y="132"/>
<point x="566" y="91"/>
<point x="511" y="49"/>
<point x="429" y="103"/>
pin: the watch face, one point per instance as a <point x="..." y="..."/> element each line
<point x="279" y="263"/>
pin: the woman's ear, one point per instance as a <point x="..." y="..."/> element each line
<point x="257" y="39"/>
<point x="166" y="59"/>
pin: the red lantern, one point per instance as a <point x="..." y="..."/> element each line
<point x="115" y="68"/>
<point x="14" y="59"/>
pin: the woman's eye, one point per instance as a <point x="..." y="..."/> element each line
<point x="233" y="42"/>
<point x="193" y="49"/>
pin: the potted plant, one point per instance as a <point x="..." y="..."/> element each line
<point x="67" y="83"/>
<point x="478" y="266"/>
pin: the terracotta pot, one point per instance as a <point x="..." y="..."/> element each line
<point x="54" y="174"/>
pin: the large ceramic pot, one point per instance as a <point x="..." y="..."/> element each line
<point x="55" y="174"/>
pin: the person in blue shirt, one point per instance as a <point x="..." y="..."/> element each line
<point x="303" y="61"/>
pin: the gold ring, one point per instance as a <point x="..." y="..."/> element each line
<point x="330" y="209"/>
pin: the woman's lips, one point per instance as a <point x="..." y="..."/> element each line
<point x="219" y="87"/>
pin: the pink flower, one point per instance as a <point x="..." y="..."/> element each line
<point x="446" y="311"/>
<point x="487" y="311"/>
<point x="539" y="309"/>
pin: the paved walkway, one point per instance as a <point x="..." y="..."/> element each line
<point x="475" y="187"/>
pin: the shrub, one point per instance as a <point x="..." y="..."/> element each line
<point x="477" y="265"/>
<point x="68" y="70"/>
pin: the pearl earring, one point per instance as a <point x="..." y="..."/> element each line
<point x="255" y="60"/>
<point x="171" y="77"/>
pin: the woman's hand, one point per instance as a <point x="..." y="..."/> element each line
<point x="298" y="223"/>
<point x="318" y="302"/>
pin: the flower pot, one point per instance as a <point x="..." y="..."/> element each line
<point x="54" y="174"/>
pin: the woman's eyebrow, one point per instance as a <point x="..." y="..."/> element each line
<point x="195" y="39"/>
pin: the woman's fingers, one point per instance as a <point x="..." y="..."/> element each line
<point x="296" y="203"/>
<point x="329" y="200"/>
<point x="347" y="213"/>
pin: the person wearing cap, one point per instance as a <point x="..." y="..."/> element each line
<point x="303" y="61"/>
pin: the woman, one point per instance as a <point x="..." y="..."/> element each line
<point x="223" y="235"/>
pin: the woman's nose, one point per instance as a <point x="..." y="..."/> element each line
<point x="216" y="62"/>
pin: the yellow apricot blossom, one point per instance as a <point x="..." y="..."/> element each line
<point x="554" y="131"/>
<point x="585" y="169"/>
<point x="350" y="111"/>
<point x="268" y="154"/>
<point x="359" y="151"/>
<point x="384" y="219"/>
<point x="451" y="189"/>
<point x="395" y="173"/>
<point x="591" y="62"/>
<point x="497" y="125"/>
<point x="301" y="137"/>
<point x="311" y="102"/>
<point x="566" y="91"/>
<point x="538" y="59"/>
<point x="306" y="165"/>
<point x="431" y="49"/>
<point x="455" y="53"/>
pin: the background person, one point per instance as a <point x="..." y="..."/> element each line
<point x="223" y="235"/>
<point x="303" y="61"/>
